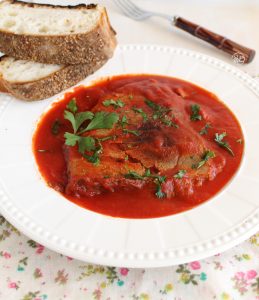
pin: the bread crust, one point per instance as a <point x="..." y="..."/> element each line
<point x="53" y="84"/>
<point x="2" y="87"/>
<point x="97" y="44"/>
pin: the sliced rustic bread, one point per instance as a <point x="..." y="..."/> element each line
<point x="34" y="81"/>
<point x="56" y="34"/>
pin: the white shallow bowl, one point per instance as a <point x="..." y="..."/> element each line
<point x="47" y="217"/>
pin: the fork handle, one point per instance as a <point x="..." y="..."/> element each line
<point x="239" y="53"/>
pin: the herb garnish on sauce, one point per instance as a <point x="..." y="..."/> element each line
<point x="223" y="144"/>
<point x="115" y="103"/>
<point x="180" y="174"/>
<point x="205" y="157"/>
<point x="99" y="120"/>
<point x="195" y="115"/>
<point x="204" y="130"/>
<point x="158" y="180"/>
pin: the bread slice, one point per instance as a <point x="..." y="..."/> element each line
<point x="30" y="81"/>
<point x="56" y="34"/>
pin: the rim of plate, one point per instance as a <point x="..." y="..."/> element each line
<point x="183" y="254"/>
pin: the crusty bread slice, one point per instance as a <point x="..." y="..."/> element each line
<point x="56" y="34"/>
<point x="34" y="81"/>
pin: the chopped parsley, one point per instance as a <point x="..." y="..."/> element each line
<point x="115" y="103"/>
<point x="195" y="113"/>
<point x="158" y="110"/>
<point x="123" y="121"/>
<point x="158" y="180"/>
<point x="205" y="157"/>
<point x="219" y="140"/>
<point x="180" y="174"/>
<point x="134" y="175"/>
<point x="55" y="128"/>
<point x="169" y="123"/>
<point x="160" y="113"/>
<point x="141" y="112"/>
<point x="72" y="106"/>
<point x="135" y="132"/>
<point x="204" y="130"/>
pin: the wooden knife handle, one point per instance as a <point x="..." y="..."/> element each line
<point x="238" y="52"/>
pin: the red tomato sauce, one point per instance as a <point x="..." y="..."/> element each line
<point x="48" y="148"/>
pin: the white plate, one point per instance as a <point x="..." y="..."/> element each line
<point x="47" y="217"/>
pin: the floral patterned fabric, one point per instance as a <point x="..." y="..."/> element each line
<point x="29" y="271"/>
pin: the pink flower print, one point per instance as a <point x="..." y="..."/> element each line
<point x="6" y="255"/>
<point x="195" y="265"/>
<point x="240" y="275"/>
<point x="124" y="271"/>
<point x="12" y="285"/>
<point x="251" y="274"/>
<point x="39" y="249"/>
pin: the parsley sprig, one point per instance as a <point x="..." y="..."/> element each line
<point x="157" y="179"/>
<point x="208" y="154"/>
<point x="219" y="140"/>
<point x="99" y="120"/>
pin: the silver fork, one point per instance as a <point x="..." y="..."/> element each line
<point x="236" y="50"/>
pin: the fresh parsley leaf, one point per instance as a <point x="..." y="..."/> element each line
<point x="134" y="175"/>
<point x="158" y="111"/>
<point x="195" y="115"/>
<point x="71" y="118"/>
<point x="115" y="103"/>
<point x="180" y="174"/>
<point x="71" y="139"/>
<point x="124" y="121"/>
<point x="81" y="117"/>
<point x="205" y="157"/>
<point x="95" y="157"/>
<point x="55" y="128"/>
<point x="72" y="106"/>
<point x="204" y="130"/>
<point x="102" y="120"/>
<point x="219" y="140"/>
<point x="77" y="119"/>
<point x="86" y="143"/>
<point x="147" y="173"/>
<point x="141" y="112"/>
<point x="135" y="132"/>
